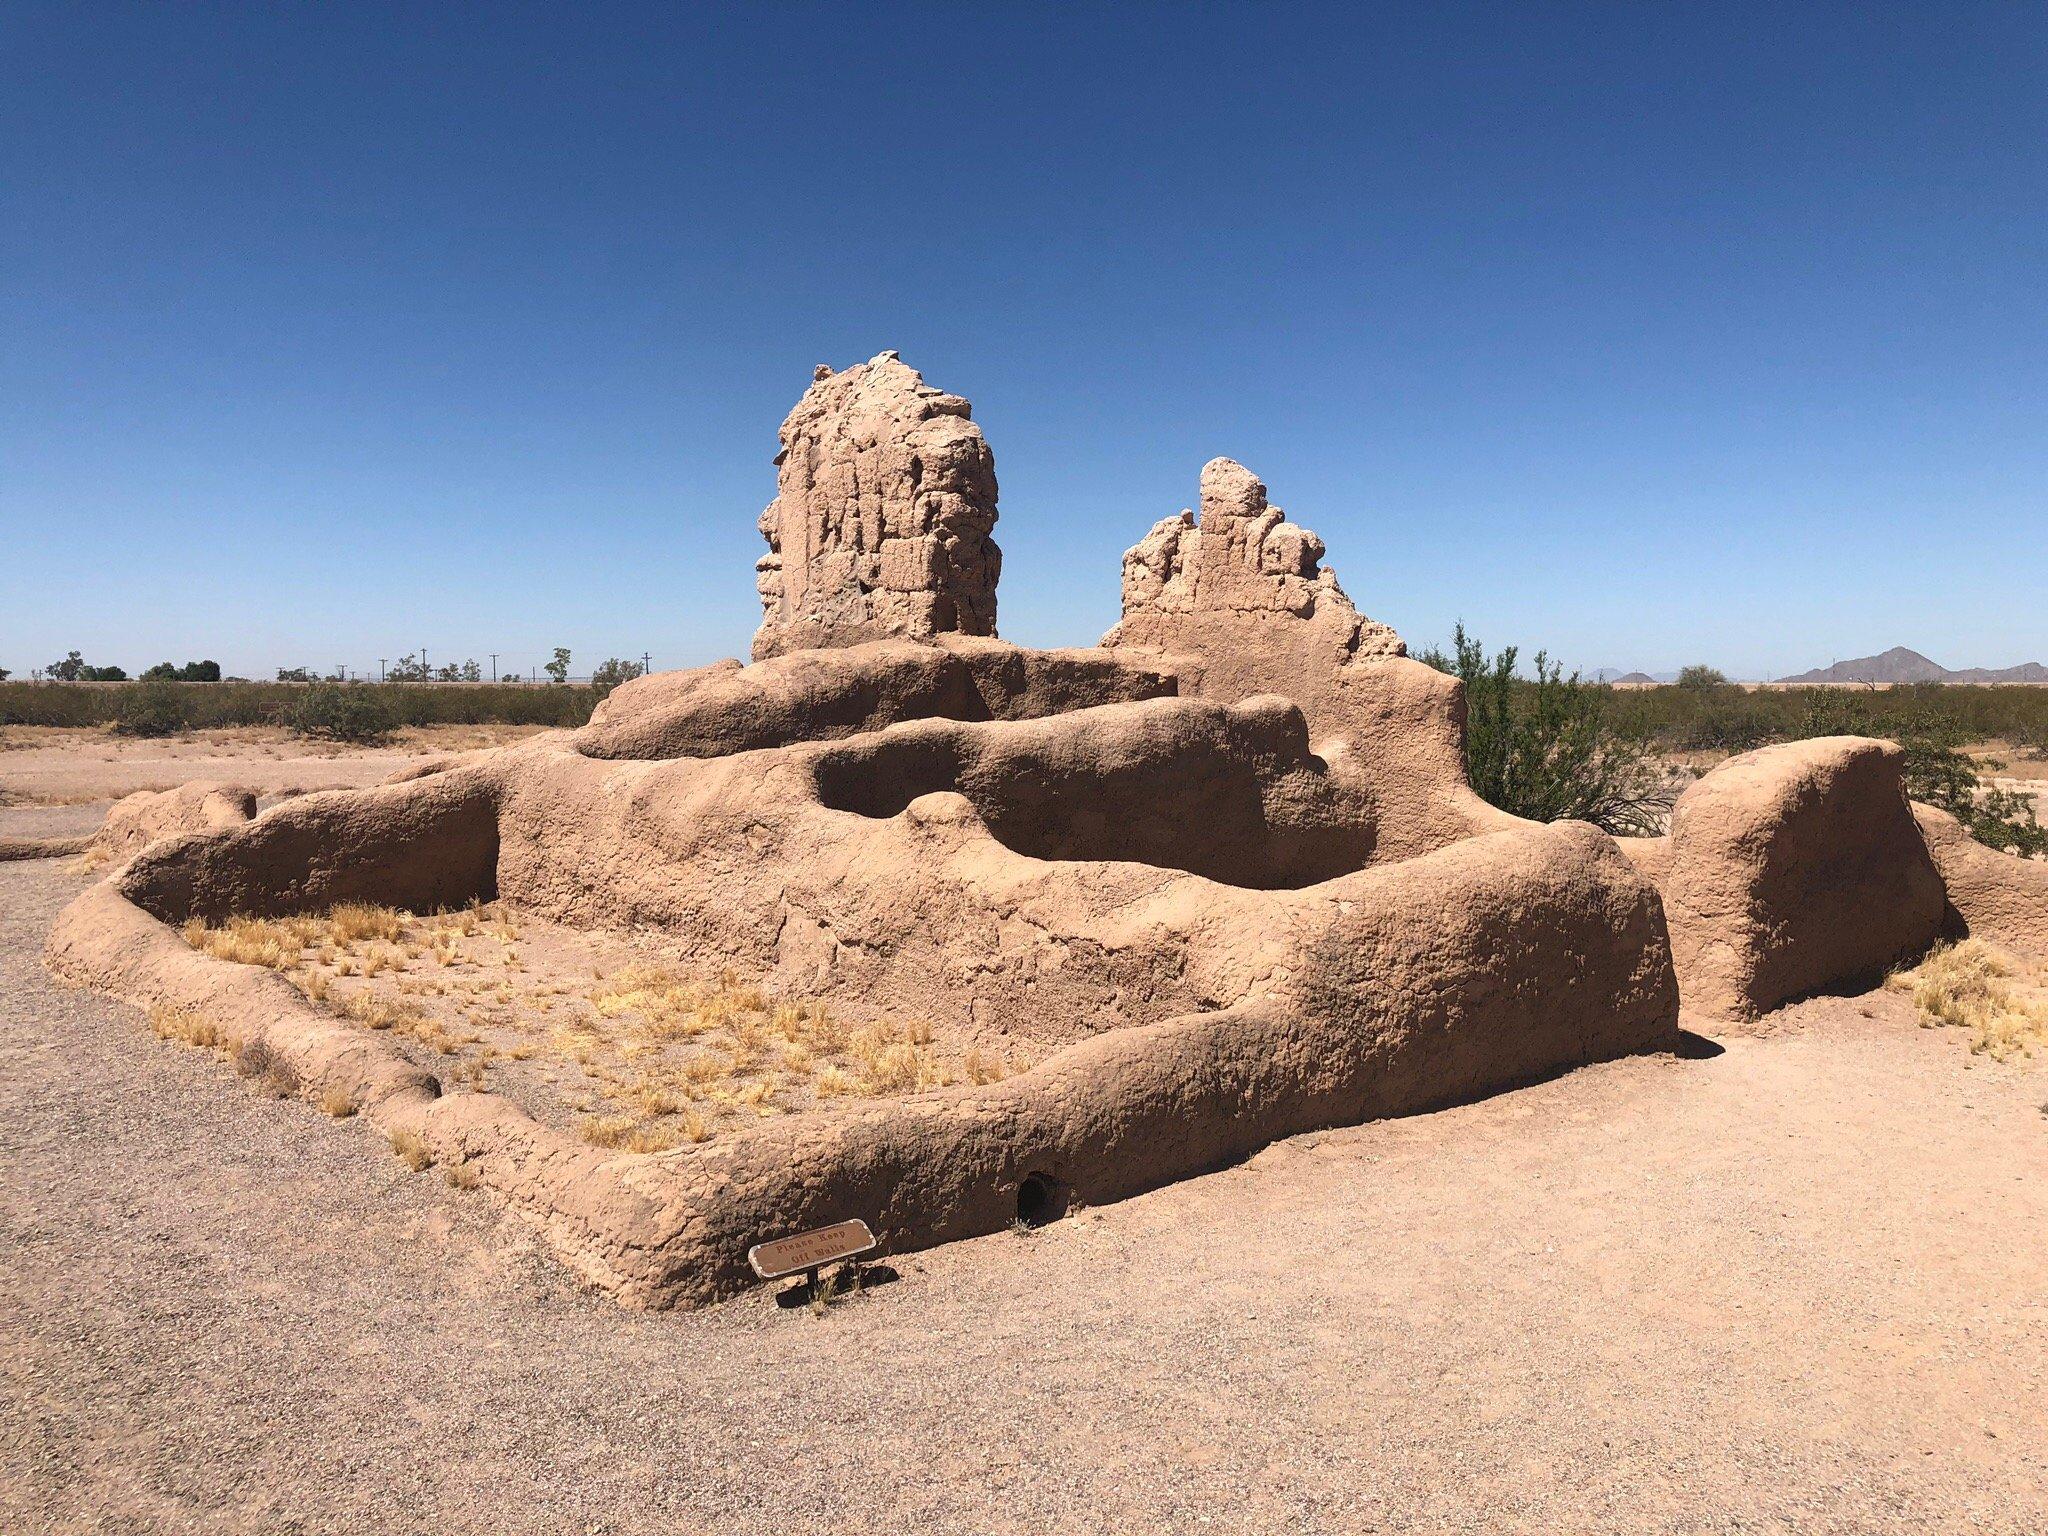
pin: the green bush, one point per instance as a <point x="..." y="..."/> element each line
<point x="1939" y="773"/>
<point x="1735" y="718"/>
<point x="74" y="669"/>
<point x="149" y="709"/>
<point x="1728" y="722"/>
<point x="612" y="673"/>
<point x="340" y="712"/>
<point x="1549" y="748"/>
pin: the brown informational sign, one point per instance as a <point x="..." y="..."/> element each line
<point x="807" y="1250"/>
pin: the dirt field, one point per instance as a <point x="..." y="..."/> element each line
<point x="52" y="765"/>
<point x="613" y="1035"/>
<point x="1793" y="1286"/>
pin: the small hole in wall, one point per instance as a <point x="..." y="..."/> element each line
<point x="1040" y="1198"/>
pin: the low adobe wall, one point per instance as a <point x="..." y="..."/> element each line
<point x="1802" y="868"/>
<point x="1486" y="964"/>
<point x="1991" y="895"/>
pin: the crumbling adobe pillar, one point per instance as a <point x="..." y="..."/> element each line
<point x="880" y="528"/>
<point x="1242" y="586"/>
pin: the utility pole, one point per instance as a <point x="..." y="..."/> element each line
<point x="646" y="661"/>
<point x="380" y="667"/>
<point x="494" y="666"/>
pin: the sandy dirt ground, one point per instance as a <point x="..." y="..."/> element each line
<point x="1793" y="1286"/>
<point x="51" y="765"/>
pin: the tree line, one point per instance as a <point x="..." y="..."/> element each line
<point x="410" y="668"/>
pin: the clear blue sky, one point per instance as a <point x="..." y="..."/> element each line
<point x="1650" y="333"/>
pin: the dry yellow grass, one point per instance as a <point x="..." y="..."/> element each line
<point x="666" y="1057"/>
<point x="355" y="920"/>
<point x="353" y="938"/>
<point x="411" y="1150"/>
<point x="281" y="942"/>
<point x="834" y="1081"/>
<point x="338" y="1103"/>
<point x="606" y="1130"/>
<point x="375" y="1012"/>
<point x="468" y="1074"/>
<point x="2000" y="1000"/>
<point x="668" y="1135"/>
<point x="627" y="1133"/>
<point x="182" y="1025"/>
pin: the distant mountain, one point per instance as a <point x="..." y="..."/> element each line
<point x="2026" y="672"/>
<point x="1899" y="665"/>
<point x="1634" y="677"/>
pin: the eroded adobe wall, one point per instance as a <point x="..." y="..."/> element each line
<point x="1394" y="990"/>
<point x="1237" y="602"/>
<point x="1792" y="870"/>
<point x="1059" y="874"/>
<point x="822" y="695"/>
<point x="1992" y="895"/>
<point x="424" y="844"/>
<point x="1215" y="586"/>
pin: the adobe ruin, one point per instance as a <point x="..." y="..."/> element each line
<point x="1222" y="873"/>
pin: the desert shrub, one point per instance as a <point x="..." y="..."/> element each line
<point x="1702" y="679"/>
<point x="1728" y="722"/>
<point x="351" y="712"/>
<point x="153" y="708"/>
<point x="230" y="703"/>
<point x="1550" y="748"/>
<point x="1744" y="718"/>
<point x="1831" y="712"/>
<point x="1939" y="773"/>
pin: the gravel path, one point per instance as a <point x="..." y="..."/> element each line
<point x="1797" y="1286"/>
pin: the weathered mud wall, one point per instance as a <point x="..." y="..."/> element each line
<point x="1421" y="984"/>
<point x="1991" y="895"/>
<point x="1238" y="604"/>
<point x="1227" y="866"/>
<point x="1792" y="870"/>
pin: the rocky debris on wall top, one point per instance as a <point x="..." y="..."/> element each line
<point x="885" y="500"/>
